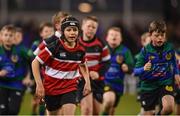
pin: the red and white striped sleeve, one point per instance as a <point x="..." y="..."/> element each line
<point x="40" y="47"/>
<point x="44" y="56"/>
<point x="105" y="55"/>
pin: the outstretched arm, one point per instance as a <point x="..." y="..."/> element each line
<point x="139" y="66"/>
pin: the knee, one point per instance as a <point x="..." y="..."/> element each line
<point x="108" y="102"/>
<point x="168" y="109"/>
<point x="87" y="110"/>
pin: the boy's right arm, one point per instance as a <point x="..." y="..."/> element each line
<point x="40" y="92"/>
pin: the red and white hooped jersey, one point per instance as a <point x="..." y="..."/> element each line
<point x="62" y="70"/>
<point x="96" y="53"/>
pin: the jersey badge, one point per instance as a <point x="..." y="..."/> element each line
<point x="168" y="56"/>
<point x="169" y="88"/>
<point x="106" y="88"/>
<point x="62" y="54"/>
<point x="119" y="59"/>
<point x="14" y="58"/>
<point x="151" y="57"/>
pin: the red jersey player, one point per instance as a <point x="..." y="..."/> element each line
<point x="63" y="62"/>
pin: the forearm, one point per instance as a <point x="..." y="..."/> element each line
<point x="138" y="71"/>
<point x="85" y="72"/>
<point x="36" y="72"/>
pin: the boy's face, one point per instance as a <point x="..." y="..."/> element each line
<point x="145" y="41"/>
<point x="7" y="38"/>
<point x="114" y="38"/>
<point x="89" y="28"/>
<point x="71" y="33"/>
<point x="47" y="32"/>
<point x="158" y="39"/>
<point x="18" y="38"/>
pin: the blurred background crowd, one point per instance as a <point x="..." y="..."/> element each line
<point x="131" y="15"/>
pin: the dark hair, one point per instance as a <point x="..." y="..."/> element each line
<point x="69" y="21"/>
<point x="157" y="26"/>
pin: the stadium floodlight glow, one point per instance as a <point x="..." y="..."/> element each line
<point x="85" y="7"/>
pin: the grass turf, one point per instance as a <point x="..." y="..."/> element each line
<point x="127" y="105"/>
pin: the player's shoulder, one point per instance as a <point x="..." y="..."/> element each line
<point x="51" y="39"/>
<point x="168" y="46"/>
<point x="102" y="41"/>
<point x="148" y="49"/>
<point x="81" y="47"/>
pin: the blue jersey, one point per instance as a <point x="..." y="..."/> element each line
<point x="15" y="62"/>
<point x="163" y="63"/>
<point x="163" y="67"/>
<point x="114" y="77"/>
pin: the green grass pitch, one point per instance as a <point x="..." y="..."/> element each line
<point x="127" y="105"/>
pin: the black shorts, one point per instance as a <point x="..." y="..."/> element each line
<point x="80" y="96"/>
<point x="97" y="88"/>
<point x="151" y="98"/>
<point x="117" y="94"/>
<point x="11" y="100"/>
<point x="55" y="102"/>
